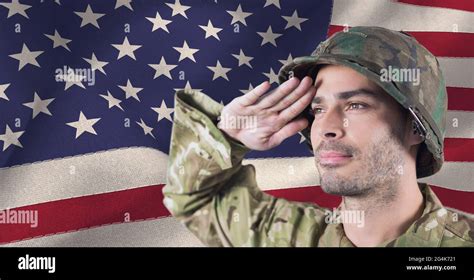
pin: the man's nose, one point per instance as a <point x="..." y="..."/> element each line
<point x="331" y="125"/>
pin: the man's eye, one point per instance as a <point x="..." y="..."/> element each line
<point x="357" y="106"/>
<point x="316" y="110"/>
<point x="352" y="106"/>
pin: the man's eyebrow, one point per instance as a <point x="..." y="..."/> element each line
<point x="348" y="94"/>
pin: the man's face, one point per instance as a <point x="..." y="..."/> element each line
<point x="357" y="134"/>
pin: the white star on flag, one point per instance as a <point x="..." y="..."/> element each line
<point x="162" y="68"/>
<point x="243" y="59"/>
<point x="163" y="111"/>
<point x="113" y="102"/>
<point x="3" y="88"/>
<point x="10" y="138"/>
<point x="58" y="41"/>
<point x="269" y="36"/>
<point x="286" y="61"/>
<point x="188" y="87"/>
<point x="159" y="22"/>
<point x="89" y="17"/>
<point x="294" y="20"/>
<point x="219" y="71"/>
<point x="131" y="91"/>
<point x="302" y="139"/>
<point x="276" y="3"/>
<point x="71" y="78"/>
<point x="16" y="8"/>
<point x="125" y="3"/>
<point x="125" y="49"/>
<point x="178" y="8"/>
<point x="186" y="52"/>
<point x="26" y="57"/>
<point x="211" y="30"/>
<point x="96" y="64"/>
<point x="146" y="129"/>
<point x="272" y="76"/>
<point x="39" y="105"/>
<point x="83" y="125"/>
<point x="239" y="16"/>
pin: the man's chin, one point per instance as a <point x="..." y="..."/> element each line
<point x="332" y="190"/>
<point x="339" y="182"/>
<point x="339" y="190"/>
<point x="331" y="182"/>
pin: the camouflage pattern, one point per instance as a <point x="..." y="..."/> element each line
<point x="217" y="198"/>
<point x="369" y="50"/>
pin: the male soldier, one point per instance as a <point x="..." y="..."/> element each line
<point x="373" y="132"/>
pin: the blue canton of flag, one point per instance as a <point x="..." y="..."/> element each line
<point x="84" y="76"/>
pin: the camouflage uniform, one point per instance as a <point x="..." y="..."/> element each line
<point x="218" y="199"/>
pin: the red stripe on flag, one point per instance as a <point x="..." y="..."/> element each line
<point x="449" y="44"/>
<point x="465" y="5"/>
<point x="461" y="98"/>
<point x="86" y="212"/>
<point x="459" y="149"/>
<point x="334" y="28"/>
<point x="455" y="199"/>
<point x="308" y="194"/>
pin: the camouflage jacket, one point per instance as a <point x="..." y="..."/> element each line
<point x="217" y="198"/>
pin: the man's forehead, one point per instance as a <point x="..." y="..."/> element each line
<point x="344" y="95"/>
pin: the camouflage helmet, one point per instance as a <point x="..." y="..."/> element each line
<point x="372" y="51"/>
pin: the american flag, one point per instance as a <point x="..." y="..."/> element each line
<point x="86" y="103"/>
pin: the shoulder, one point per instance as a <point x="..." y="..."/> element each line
<point x="459" y="228"/>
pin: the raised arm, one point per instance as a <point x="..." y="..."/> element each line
<point x="210" y="190"/>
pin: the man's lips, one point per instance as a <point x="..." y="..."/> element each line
<point x="333" y="158"/>
<point x="333" y="154"/>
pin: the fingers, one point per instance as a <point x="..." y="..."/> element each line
<point x="298" y="106"/>
<point x="283" y="90"/>
<point x="287" y="131"/>
<point x="296" y="94"/>
<point x="252" y="96"/>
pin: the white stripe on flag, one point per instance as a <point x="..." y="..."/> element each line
<point x="453" y="175"/>
<point x="458" y="72"/>
<point x="459" y="124"/>
<point x="164" y="232"/>
<point x="129" y="168"/>
<point x="399" y="16"/>
<point x="94" y="173"/>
